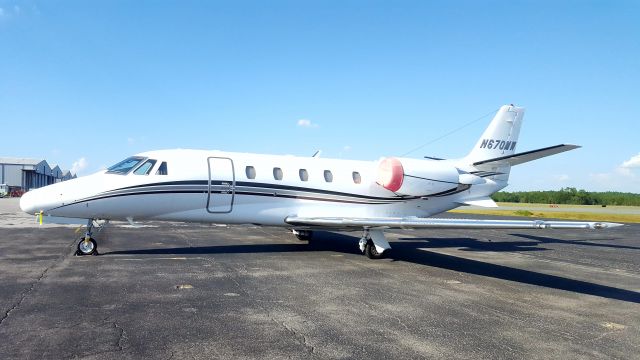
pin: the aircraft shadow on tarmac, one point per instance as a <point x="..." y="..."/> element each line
<point x="416" y="251"/>
<point x="549" y="240"/>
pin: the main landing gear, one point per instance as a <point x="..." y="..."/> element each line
<point x="303" y="234"/>
<point x="373" y="244"/>
<point x="87" y="245"/>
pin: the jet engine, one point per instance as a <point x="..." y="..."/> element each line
<point x="413" y="177"/>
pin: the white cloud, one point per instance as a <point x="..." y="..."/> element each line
<point x="561" y="177"/>
<point x="617" y="173"/>
<point x="600" y="178"/>
<point x="306" y="123"/>
<point x="9" y="11"/>
<point x="79" y="165"/>
<point x="131" y="141"/>
<point x="620" y="178"/>
<point x="625" y="172"/>
<point x="634" y="162"/>
<point x="346" y="148"/>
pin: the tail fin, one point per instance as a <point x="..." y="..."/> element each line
<point x="501" y="137"/>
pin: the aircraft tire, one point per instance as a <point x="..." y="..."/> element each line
<point x="87" y="249"/>
<point x="371" y="252"/>
<point x="304" y="235"/>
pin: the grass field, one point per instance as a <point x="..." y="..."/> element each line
<point x="570" y="206"/>
<point x="623" y="214"/>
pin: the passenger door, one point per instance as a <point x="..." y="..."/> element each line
<point x="222" y="185"/>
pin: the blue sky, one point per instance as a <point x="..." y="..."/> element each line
<point x="87" y="83"/>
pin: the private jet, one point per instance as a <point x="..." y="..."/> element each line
<point x="302" y="194"/>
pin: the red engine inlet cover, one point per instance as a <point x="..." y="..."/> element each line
<point x="390" y="174"/>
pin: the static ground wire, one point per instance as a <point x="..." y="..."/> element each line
<point x="451" y="132"/>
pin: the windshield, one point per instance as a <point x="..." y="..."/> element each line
<point x="124" y="166"/>
<point x="145" y="168"/>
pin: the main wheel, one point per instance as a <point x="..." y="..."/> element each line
<point x="371" y="251"/>
<point x="87" y="247"/>
<point x="304" y="234"/>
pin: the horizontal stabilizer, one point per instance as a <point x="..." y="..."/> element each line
<point x="418" y="223"/>
<point x="482" y="202"/>
<point x="527" y="156"/>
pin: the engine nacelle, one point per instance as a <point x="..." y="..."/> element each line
<point x="415" y="177"/>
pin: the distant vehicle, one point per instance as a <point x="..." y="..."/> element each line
<point x="4" y="190"/>
<point x="16" y="191"/>
<point x="301" y="193"/>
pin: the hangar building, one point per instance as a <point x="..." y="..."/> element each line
<point x="27" y="174"/>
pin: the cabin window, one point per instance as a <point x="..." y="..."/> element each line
<point x="145" y="168"/>
<point x="356" y="177"/>
<point x="304" y="175"/>
<point x="328" y="176"/>
<point x="251" y="172"/>
<point x="277" y="173"/>
<point x="125" y="166"/>
<point x="162" y="169"/>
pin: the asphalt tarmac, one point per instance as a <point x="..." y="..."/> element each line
<point x="210" y="292"/>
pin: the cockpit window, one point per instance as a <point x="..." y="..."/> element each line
<point x="125" y="166"/>
<point x="145" y="168"/>
<point x="162" y="169"/>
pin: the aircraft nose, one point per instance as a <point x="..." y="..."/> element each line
<point x="28" y="203"/>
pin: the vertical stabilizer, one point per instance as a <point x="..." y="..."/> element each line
<point x="501" y="137"/>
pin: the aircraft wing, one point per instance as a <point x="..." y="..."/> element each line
<point x="423" y="223"/>
<point x="527" y="156"/>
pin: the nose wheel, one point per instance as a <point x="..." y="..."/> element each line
<point x="87" y="245"/>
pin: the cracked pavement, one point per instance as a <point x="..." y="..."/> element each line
<point x="210" y="292"/>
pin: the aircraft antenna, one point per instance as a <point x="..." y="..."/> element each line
<point x="451" y="132"/>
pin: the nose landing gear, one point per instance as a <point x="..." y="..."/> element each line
<point x="87" y="245"/>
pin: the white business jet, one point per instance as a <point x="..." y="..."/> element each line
<point x="300" y="193"/>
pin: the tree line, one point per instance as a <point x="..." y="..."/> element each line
<point x="569" y="195"/>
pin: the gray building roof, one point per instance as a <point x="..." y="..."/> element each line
<point x="46" y="168"/>
<point x="19" y="161"/>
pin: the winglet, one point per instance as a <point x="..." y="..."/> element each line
<point x="605" y="225"/>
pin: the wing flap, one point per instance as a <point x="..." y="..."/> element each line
<point x="420" y="223"/>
